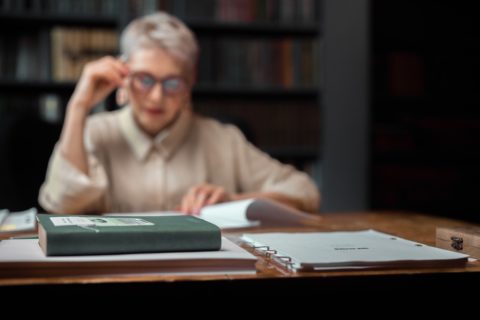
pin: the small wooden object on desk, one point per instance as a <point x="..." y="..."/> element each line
<point x="460" y="239"/>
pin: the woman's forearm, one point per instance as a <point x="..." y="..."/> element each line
<point x="72" y="144"/>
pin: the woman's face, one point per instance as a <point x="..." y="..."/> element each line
<point x="158" y="89"/>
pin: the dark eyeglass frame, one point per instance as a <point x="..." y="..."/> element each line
<point x="138" y="84"/>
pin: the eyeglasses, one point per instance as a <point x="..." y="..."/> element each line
<point x="144" y="82"/>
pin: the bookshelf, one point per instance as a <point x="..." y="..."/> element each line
<point x="259" y="64"/>
<point x="425" y="115"/>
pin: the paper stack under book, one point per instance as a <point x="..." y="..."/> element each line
<point x="368" y="249"/>
<point x="24" y="258"/>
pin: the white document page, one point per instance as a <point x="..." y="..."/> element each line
<point x="229" y="215"/>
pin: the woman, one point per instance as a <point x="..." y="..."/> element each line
<point x="155" y="153"/>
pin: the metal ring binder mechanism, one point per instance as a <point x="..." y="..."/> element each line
<point x="271" y="255"/>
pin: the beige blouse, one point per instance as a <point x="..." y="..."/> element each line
<point x="131" y="172"/>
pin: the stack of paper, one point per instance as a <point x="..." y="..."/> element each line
<point x="24" y="258"/>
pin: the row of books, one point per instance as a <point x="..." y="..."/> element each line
<point x="283" y="11"/>
<point x="293" y="124"/>
<point x="58" y="54"/>
<point x="20" y="55"/>
<point x="290" y="123"/>
<point x="72" y="48"/>
<point x="283" y="62"/>
<point x="61" y="7"/>
<point x="46" y="107"/>
<point x="280" y="11"/>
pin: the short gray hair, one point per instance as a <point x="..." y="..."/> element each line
<point x="164" y="31"/>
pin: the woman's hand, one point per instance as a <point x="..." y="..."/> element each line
<point x="201" y="196"/>
<point x="99" y="78"/>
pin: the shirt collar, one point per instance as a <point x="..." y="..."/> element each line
<point x="167" y="141"/>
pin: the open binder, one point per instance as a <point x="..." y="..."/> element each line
<point x="368" y="249"/>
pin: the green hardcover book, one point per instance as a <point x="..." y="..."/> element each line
<point x="61" y="235"/>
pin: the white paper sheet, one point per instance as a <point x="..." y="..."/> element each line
<point x="229" y="215"/>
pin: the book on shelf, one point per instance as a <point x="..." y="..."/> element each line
<point x="245" y="213"/>
<point x="366" y="249"/>
<point x="89" y="234"/>
<point x="24" y="258"/>
<point x="72" y="48"/>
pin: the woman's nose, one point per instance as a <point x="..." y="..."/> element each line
<point x="156" y="93"/>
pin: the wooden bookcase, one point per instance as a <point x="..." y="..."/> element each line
<point x="281" y="117"/>
<point x="425" y="108"/>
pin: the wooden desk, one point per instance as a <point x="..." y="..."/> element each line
<point x="271" y="279"/>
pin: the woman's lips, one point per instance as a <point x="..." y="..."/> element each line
<point x="154" y="112"/>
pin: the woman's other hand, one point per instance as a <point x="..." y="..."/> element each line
<point x="203" y="195"/>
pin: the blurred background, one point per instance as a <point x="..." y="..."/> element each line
<point x="374" y="99"/>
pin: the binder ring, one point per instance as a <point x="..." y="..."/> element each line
<point x="289" y="259"/>
<point x="260" y="247"/>
<point x="285" y="261"/>
<point x="269" y="253"/>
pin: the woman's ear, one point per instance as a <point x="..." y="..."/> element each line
<point x="121" y="97"/>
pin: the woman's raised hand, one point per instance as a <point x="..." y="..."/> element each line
<point x="98" y="79"/>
